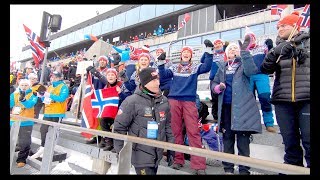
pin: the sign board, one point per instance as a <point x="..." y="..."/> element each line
<point x="98" y="48"/>
<point x="115" y="39"/>
<point x="82" y="66"/>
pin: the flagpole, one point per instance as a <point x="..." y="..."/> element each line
<point x="45" y="59"/>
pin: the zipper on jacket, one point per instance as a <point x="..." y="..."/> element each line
<point x="293" y="99"/>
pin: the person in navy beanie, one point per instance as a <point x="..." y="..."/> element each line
<point x="182" y="99"/>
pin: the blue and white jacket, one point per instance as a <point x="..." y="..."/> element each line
<point x="184" y="84"/>
<point x="258" y="54"/>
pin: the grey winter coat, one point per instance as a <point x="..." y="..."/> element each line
<point x="245" y="115"/>
<point x="135" y="112"/>
<point x="290" y="73"/>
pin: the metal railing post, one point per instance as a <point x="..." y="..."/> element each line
<point x="124" y="161"/>
<point x="51" y="139"/>
<point x="14" y="134"/>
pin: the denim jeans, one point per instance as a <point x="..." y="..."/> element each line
<point x="294" y="121"/>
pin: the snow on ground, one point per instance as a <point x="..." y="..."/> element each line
<point x="73" y="157"/>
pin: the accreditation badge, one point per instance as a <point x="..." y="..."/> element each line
<point x="16" y="110"/>
<point x="152" y="130"/>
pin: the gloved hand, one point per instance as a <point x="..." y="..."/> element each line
<point x="170" y="157"/>
<point x="285" y="49"/>
<point x="219" y="88"/>
<point x="123" y="76"/>
<point x="161" y="59"/>
<point x="300" y="55"/>
<point x="22" y="96"/>
<point x="222" y="86"/>
<point x="46" y="94"/>
<point x="208" y="43"/>
<point x="94" y="71"/>
<point x="89" y="68"/>
<point x="209" y="46"/>
<point x="246" y="43"/>
<point x="41" y="89"/>
<point x="162" y="56"/>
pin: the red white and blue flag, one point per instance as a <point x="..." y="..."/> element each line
<point x="184" y="21"/>
<point x="105" y="102"/>
<point x="96" y="104"/>
<point x="88" y="120"/>
<point x="304" y="19"/>
<point x="37" y="47"/>
<point x="277" y="9"/>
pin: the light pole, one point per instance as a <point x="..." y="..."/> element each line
<point x="53" y="26"/>
<point x="45" y="60"/>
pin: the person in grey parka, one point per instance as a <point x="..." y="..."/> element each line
<point x="146" y="108"/>
<point x="238" y="113"/>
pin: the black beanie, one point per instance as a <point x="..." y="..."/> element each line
<point x="147" y="74"/>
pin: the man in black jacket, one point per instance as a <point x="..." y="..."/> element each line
<point x="290" y="60"/>
<point x="136" y="117"/>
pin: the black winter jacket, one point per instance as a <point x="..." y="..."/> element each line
<point x="292" y="79"/>
<point x="134" y="114"/>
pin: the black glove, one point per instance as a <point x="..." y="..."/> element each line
<point x="208" y="43"/>
<point x="285" y="49"/>
<point x="162" y="56"/>
<point x="245" y="45"/>
<point x="94" y="71"/>
<point x="89" y="68"/>
<point x="123" y="76"/>
<point x="170" y="157"/>
<point x="22" y="96"/>
<point x="300" y="55"/>
<point x="41" y="90"/>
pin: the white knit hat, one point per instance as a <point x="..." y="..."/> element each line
<point x="24" y="81"/>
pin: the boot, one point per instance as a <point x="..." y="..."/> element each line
<point x="92" y="141"/>
<point x="170" y="157"/>
<point x="109" y="144"/>
<point x="102" y="143"/>
<point x="271" y="129"/>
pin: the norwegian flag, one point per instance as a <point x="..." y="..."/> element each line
<point x="304" y="19"/>
<point x="37" y="47"/>
<point x="105" y="102"/>
<point x="88" y="119"/>
<point x="184" y="21"/>
<point x="277" y="9"/>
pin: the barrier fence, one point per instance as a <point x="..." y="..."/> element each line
<point x="124" y="158"/>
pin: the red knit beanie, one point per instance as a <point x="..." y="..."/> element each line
<point x="112" y="70"/>
<point x="290" y="19"/>
<point x="186" y="48"/>
<point x="104" y="58"/>
<point x="144" y="55"/>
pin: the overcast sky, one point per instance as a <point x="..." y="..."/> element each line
<point x="31" y="16"/>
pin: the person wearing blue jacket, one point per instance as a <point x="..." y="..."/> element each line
<point x="22" y="103"/>
<point x="55" y="106"/>
<point x="182" y="100"/>
<point x="218" y="55"/>
<point x="238" y="113"/>
<point x="124" y="53"/>
<point x="261" y="83"/>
